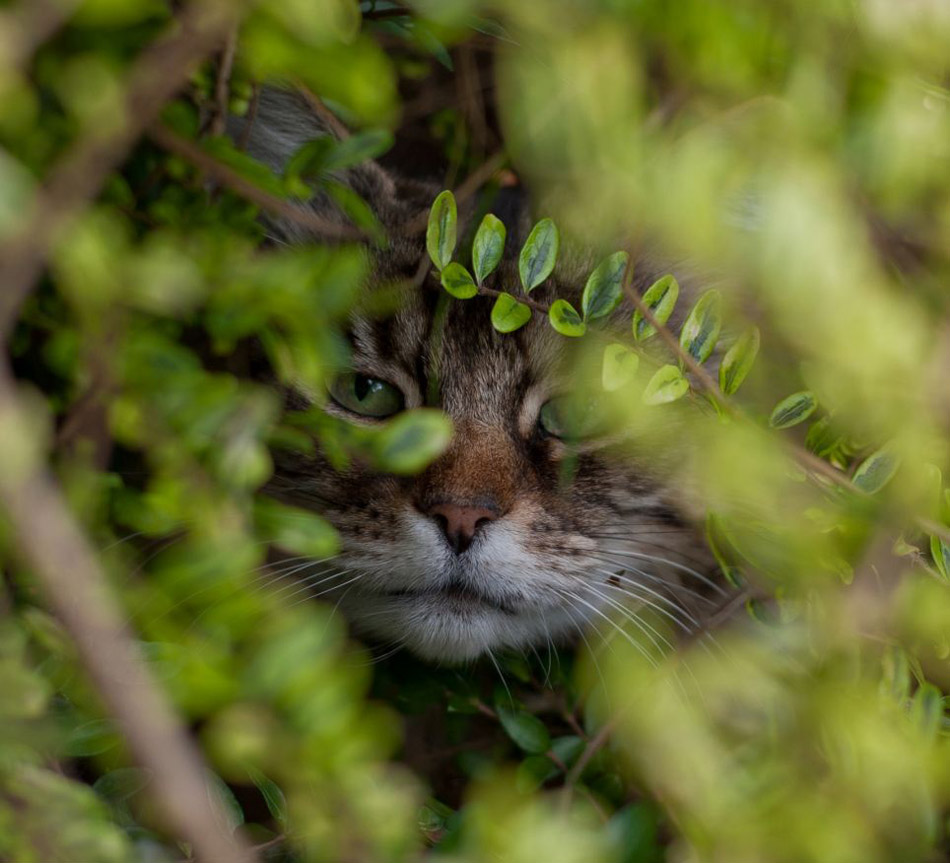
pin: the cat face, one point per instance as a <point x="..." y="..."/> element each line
<point x="513" y="537"/>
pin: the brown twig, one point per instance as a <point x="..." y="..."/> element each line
<point x="211" y="167"/>
<point x="318" y="107"/>
<point x="36" y="21"/>
<point x="46" y="535"/>
<point x="222" y="84"/>
<point x="154" y="78"/>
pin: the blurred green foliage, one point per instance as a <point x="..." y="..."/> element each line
<point x="795" y="154"/>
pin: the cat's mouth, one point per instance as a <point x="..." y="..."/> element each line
<point x="457" y="596"/>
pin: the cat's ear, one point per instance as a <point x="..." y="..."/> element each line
<point x="283" y="122"/>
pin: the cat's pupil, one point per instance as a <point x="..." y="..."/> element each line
<point x="363" y="386"/>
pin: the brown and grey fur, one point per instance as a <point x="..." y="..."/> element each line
<point x="561" y="554"/>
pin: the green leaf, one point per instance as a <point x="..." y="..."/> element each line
<point x="604" y="288"/>
<point x="667" y="385"/>
<point x="488" y="247"/>
<point x="533" y="772"/>
<point x="294" y="529"/>
<point x="565" y="319"/>
<point x="413" y="439"/>
<point x="876" y="470"/>
<point x="940" y="552"/>
<point x="539" y="254"/>
<point x="230" y="806"/>
<point x="738" y="361"/>
<point x="792" y="410"/>
<point x="660" y="298"/>
<point x="926" y="708"/>
<point x="619" y="367"/>
<point x="701" y="329"/>
<point x="459" y="282"/>
<point x="441" y="232"/>
<point x="508" y="315"/>
<point x="273" y="796"/>
<point x="357" y="210"/>
<point x="358" y="148"/>
<point x="526" y="730"/>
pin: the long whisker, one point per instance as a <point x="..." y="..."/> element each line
<point x="681" y="567"/>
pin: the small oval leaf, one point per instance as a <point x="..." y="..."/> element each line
<point x="876" y="470"/>
<point x="413" y="439"/>
<point x="940" y="552"/>
<point x="539" y="254"/>
<point x="619" y="368"/>
<point x="459" y="282"/>
<point x="660" y="298"/>
<point x="508" y="315"/>
<point x="701" y="329"/>
<point x="667" y="385"/>
<point x="738" y="361"/>
<point x="529" y="732"/>
<point x="488" y="247"/>
<point x="792" y="410"/>
<point x="441" y="232"/>
<point x="604" y="288"/>
<point x="565" y="319"/>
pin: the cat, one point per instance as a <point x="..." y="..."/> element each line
<point x="495" y="545"/>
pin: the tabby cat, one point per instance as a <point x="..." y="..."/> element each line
<point x="496" y="544"/>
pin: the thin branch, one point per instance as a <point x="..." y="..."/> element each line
<point x="75" y="180"/>
<point x="77" y="590"/>
<point x="222" y="85"/>
<point x="211" y="167"/>
<point x="36" y="22"/>
<point x="319" y="108"/>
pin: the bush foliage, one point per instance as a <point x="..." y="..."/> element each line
<point x="793" y="157"/>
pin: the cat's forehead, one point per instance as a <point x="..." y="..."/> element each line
<point x="447" y="350"/>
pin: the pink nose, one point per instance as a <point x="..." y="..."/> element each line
<point x="461" y="523"/>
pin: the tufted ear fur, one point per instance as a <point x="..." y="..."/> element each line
<point x="283" y="122"/>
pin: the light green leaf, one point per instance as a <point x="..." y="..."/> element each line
<point x="273" y="796"/>
<point x="294" y="529"/>
<point x="539" y="254"/>
<point x="488" y="247"/>
<point x="738" y="361"/>
<point x="525" y="729"/>
<point x="940" y="552"/>
<point x="565" y="319"/>
<point x="792" y="410"/>
<point x="660" y="298"/>
<point x="459" y="282"/>
<point x="619" y="367"/>
<point x="701" y="330"/>
<point x="876" y="470"/>
<point x="412" y="440"/>
<point x="358" y="148"/>
<point x="441" y="232"/>
<point x="508" y="315"/>
<point x="604" y="288"/>
<point x="667" y="385"/>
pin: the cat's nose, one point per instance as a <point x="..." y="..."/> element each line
<point x="460" y="523"/>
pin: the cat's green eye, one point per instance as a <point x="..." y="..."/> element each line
<point x="366" y="396"/>
<point x="570" y="418"/>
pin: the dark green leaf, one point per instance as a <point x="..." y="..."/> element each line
<point x="508" y="315"/>
<point x="441" y="232"/>
<point x="538" y="255"/>
<point x="526" y="730"/>
<point x="294" y="529"/>
<point x="358" y="148"/>
<point x="701" y="329"/>
<point x="565" y="319"/>
<point x="412" y="440"/>
<point x="533" y="772"/>
<point x="459" y="282"/>
<point x="660" y="298"/>
<point x="488" y="247"/>
<point x="792" y="410"/>
<point x="738" y="361"/>
<point x="604" y="287"/>
<point x="667" y="385"/>
<point x="876" y="470"/>
<point x="273" y="796"/>
<point x="619" y="367"/>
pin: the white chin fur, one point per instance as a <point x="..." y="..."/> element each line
<point x="441" y="631"/>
